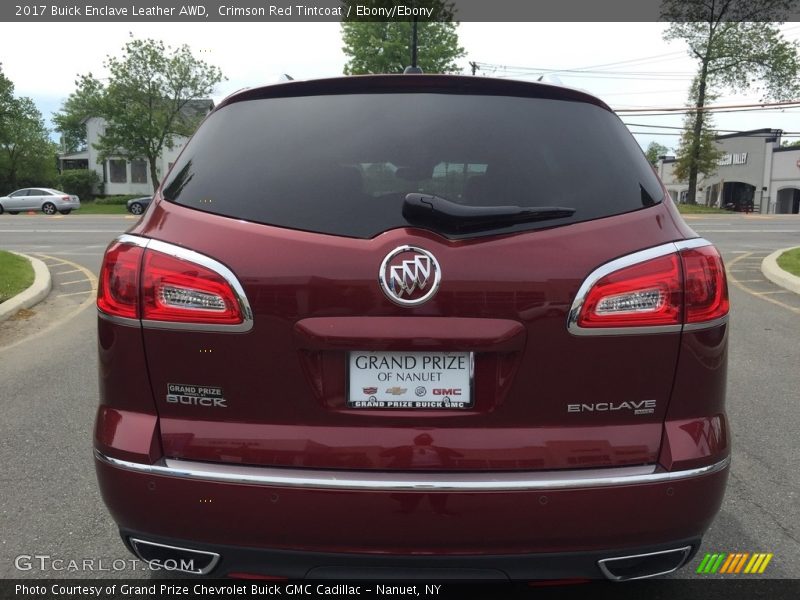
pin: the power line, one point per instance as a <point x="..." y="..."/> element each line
<point x="715" y="130"/>
<point x="714" y="108"/>
<point x="759" y="135"/>
<point x="644" y="59"/>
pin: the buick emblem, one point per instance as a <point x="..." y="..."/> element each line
<point x="409" y="275"/>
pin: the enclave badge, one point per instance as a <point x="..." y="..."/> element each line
<point x="409" y="275"/>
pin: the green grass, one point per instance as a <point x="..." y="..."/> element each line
<point x="698" y="209"/>
<point x="16" y="275"/>
<point x="95" y="208"/>
<point x="121" y="199"/>
<point x="790" y="261"/>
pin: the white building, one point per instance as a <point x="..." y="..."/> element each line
<point x="121" y="176"/>
<point x="754" y="171"/>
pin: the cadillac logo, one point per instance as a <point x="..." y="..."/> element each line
<point x="409" y="275"/>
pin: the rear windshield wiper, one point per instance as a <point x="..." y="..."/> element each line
<point x="451" y="217"/>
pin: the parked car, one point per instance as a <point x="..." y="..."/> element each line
<point x="47" y="200"/>
<point x="137" y="206"/>
<point x="413" y="326"/>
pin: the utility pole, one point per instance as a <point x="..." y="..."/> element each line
<point x="474" y="66"/>
<point x="414" y="42"/>
<point x="413" y="69"/>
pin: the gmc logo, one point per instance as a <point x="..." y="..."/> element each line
<point x="447" y="391"/>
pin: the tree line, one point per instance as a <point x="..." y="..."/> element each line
<point x="27" y="155"/>
<point x="736" y="43"/>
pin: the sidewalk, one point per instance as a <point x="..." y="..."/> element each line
<point x="773" y="272"/>
<point x="33" y="295"/>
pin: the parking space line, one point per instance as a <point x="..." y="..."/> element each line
<point x="74" y="293"/>
<point x="92" y="280"/>
<point x="72" y="282"/>
<point x="67" y="272"/>
<point x="752" y="292"/>
<point x="87" y="302"/>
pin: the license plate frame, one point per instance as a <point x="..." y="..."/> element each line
<point x="410" y="380"/>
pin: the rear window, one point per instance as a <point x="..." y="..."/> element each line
<point x="343" y="164"/>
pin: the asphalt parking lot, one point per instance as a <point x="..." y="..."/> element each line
<point x="50" y="504"/>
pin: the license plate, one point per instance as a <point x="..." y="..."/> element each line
<point x="410" y="380"/>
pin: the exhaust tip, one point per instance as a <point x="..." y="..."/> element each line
<point x="174" y="558"/>
<point x="642" y="566"/>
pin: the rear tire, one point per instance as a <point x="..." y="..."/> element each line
<point x="136" y="208"/>
<point x="1" y="209"/>
<point x="49" y="208"/>
<point x="13" y="212"/>
<point x="65" y="211"/>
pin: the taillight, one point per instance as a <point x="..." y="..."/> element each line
<point x="118" y="288"/>
<point x="706" y="288"/>
<point x="663" y="287"/>
<point x="177" y="290"/>
<point x="164" y="284"/>
<point x="648" y="293"/>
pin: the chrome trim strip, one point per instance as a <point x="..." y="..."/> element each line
<point x="591" y="331"/>
<point x="692" y="243"/>
<point x="628" y="260"/>
<point x="204" y="571"/>
<point x="136" y="240"/>
<point x="126" y="321"/>
<point x="706" y="324"/>
<point x="366" y="480"/>
<point x="204" y="261"/>
<point x="685" y="550"/>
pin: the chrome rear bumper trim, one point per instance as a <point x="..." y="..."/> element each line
<point x="404" y="481"/>
<point x="606" y="564"/>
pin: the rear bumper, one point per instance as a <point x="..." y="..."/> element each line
<point x="233" y="561"/>
<point x="68" y="204"/>
<point x="293" y="522"/>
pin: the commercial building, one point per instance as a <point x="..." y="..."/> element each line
<point x="755" y="173"/>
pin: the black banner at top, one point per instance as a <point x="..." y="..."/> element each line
<point x="277" y="11"/>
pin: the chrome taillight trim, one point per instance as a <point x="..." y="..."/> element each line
<point x="126" y="321"/>
<point x="199" y="259"/>
<point x="622" y="263"/>
<point x="404" y="481"/>
<point x="706" y="324"/>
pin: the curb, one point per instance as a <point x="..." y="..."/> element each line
<point x="33" y="295"/>
<point x="771" y="270"/>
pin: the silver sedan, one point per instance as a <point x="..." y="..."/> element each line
<point x="47" y="200"/>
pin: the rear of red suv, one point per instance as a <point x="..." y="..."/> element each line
<point x="413" y="325"/>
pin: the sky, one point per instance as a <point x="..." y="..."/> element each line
<point x="626" y="64"/>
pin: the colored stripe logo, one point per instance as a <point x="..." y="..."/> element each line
<point x="734" y="563"/>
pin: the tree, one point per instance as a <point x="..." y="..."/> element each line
<point x="654" y="150"/>
<point x="70" y="120"/>
<point x="27" y="156"/>
<point x="144" y="103"/>
<point x="698" y="152"/>
<point x="737" y="46"/>
<point x="385" y="47"/>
